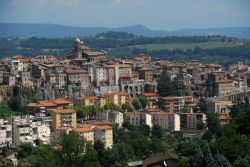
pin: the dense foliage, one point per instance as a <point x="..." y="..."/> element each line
<point x="230" y="144"/>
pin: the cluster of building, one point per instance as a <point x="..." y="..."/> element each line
<point x="87" y="77"/>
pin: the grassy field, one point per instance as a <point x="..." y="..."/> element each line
<point x="184" y="46"/>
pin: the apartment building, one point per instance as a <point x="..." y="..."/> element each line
<point x="40" y="108"/>
<point x="5" y="133"/>
<point x="173" y="104"/>
<point x="169" y="121"/>
<point x="117" y="98"/>
<point x="78" y="77"/>
<point x="104" y="134"/>
<point x="223" y="87"/>
<point x="108" y="73"/>
<point x="86" y="132"/>
<point x="138" y="118"/>
<point x="152" y="99"/>
<point x="89" y="100"/>
<point x="219" y="106"/>
<point x="112" y="116"/>
<point x="191" y="120"/>
<point x="63" y="118"/>
<point x="27" y="130"/>
<point x="62" y="103"/>
<point x="146" y="74"/>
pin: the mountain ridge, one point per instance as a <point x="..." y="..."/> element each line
<point x="57" y="30"/>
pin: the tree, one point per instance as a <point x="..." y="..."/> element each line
<point x="137" y="104"/>
<point x="128" y="107"/>
<point x="165" y="86"/>
<point x="25" y="150"/>
<point x="242" y="122"/>
<point x="72" y="150"/>
<point x="221" y="160"/>
<point x="213" y="123"/>
<point x="203" y="105"/>
<point x="15" y="103"/>
<point x="111" y="106"/>
<point x="242" y="162"/>
<point x="157" y="131"/>
<point x="143" y="100"/>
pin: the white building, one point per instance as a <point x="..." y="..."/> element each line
<point x="24" y="130"/>
<point x="5" y="133"/>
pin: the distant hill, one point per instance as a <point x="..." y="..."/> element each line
<point x="55" y="30"/>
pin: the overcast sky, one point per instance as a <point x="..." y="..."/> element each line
<point x="155" y="14"/>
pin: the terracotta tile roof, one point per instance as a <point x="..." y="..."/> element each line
<point x="83" y="129"/>
<point x="151" y="94"/>
<point x="42" y="104"/>
<point x="188" y="97"/>
<point x="101" y="123"/>
<point x="63" y="110"/>
<point x="104" y="127"/>
<point x="61" y="101"/>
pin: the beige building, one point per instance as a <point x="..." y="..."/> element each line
<point x="170" y="121"/>
<point x="79" y="77"/>
<point x="146" y="74"/>
<point x="86" y="132"/>
<point x="223" y="87"/>
<point x="138" y="118"/>
<point x="117" y="98"/>
<point x="104" y="134"/>
<point x="89" y="100"/>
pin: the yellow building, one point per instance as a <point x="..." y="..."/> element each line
<point x="89" y="100"/>
<point x="117" y="98"/>
<point x="86" y="132"/>
<point x="170" y="121"/>
<point x="104" y="134"/>
<point x="63" y="118"/>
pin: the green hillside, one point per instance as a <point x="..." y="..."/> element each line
<point x="185" y="46"/>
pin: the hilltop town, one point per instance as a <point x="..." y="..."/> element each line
<point x="90" y="94"/>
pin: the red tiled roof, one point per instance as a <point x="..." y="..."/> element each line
<point x="151" y="94"/>
<point x="42" y="104"/>
<point x="82" y="129"/>
<point x="61" y="101"/>
<point x="104" y="127"/>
